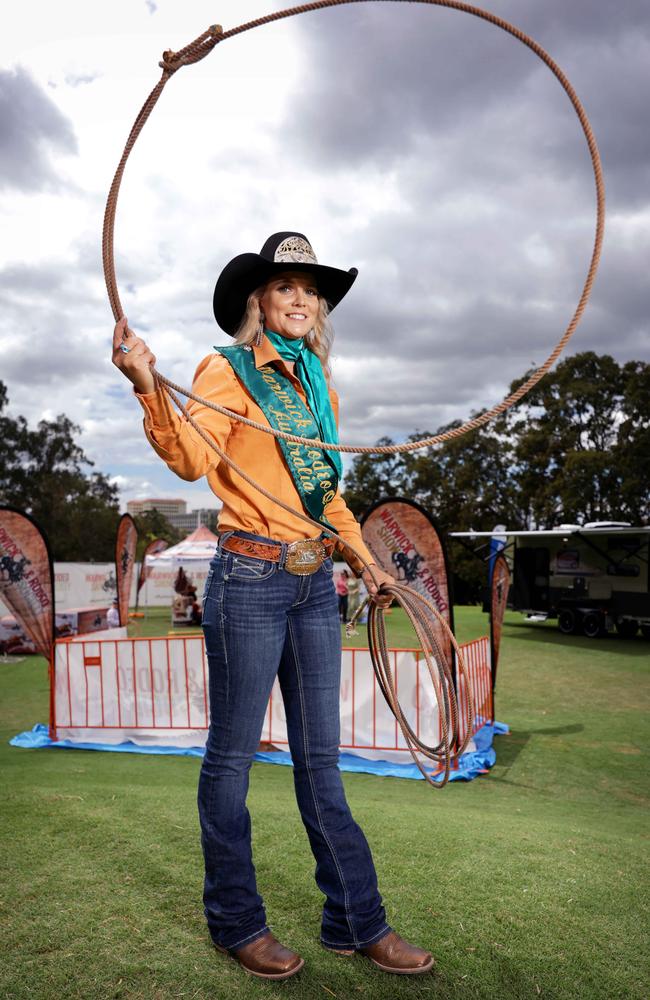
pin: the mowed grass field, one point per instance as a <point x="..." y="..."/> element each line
<point x="531" y="881"/>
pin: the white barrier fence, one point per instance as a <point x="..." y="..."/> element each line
<point x="93" y="585"/>
<point x="154" y="691"/>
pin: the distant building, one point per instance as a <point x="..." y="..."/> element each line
<point x="194" y="519"/>
<point x="168" y="508"/>
<point x="176" y="513"/>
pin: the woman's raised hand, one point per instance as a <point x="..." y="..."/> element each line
<point x="132" y="356"/>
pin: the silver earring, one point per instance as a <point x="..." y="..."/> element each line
<point x="259" y="336"/>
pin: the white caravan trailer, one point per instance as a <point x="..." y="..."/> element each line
<point x="592" y="578"/>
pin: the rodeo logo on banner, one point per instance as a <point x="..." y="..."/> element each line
<point x="26" y="580"/>
<point x="405" y="542"/>
<point x="125" y="546"/>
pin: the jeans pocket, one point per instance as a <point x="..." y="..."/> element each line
<point x="248" y="568"/>
<point x="206" y="589"/>
<point x="213" y="580"/>
<point x="328" y="566"/>
<point x="206" y="593"/>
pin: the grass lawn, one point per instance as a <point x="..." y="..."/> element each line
<point x="530" y="881"/>
<point x="469" y="624"/>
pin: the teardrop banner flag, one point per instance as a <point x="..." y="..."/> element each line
<point x="155" y="547"/>
<point x="27" y="577"/>
<point x="406" y="543"/>
<point x="499" y="588"/>
<point x="125" y="545"/>
<point x="498" y="541"/>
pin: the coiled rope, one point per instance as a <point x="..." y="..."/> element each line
<point x="417" y="608"/>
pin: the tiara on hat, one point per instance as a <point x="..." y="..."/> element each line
<point x="294" y="250"/>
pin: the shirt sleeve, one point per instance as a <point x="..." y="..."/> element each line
<point x="349" y="529"/>
<point x="338" y="514"/>
<point x="173" y="437"/>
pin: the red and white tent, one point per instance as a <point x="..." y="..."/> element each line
<point x="193" y="554"/>
<point x="200" y="544"/>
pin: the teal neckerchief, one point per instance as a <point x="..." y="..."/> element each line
<point x="310" y="372"/>
<point x="314" y="476"/>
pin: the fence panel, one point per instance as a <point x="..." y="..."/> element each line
<point x="155" y="691"/>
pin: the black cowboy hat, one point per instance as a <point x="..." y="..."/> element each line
<point x="281" y="252"/>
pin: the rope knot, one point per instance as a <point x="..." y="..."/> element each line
<point x="195" y="51"/>
<point x="170" y="61"/>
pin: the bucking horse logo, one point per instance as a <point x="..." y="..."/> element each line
<point x="409" y="567"/>
<point x="125" y="559"/>
<point x="12" y="570"/>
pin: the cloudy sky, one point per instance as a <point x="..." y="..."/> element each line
<point x="421" y="145"/>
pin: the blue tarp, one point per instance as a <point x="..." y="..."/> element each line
<point x="469" y="766"/>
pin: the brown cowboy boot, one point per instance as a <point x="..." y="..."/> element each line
<point x="266" y="957"/>
<point x="393" y="954"/>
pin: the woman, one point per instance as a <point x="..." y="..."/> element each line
<point x="270" y="606"/>
<point x="353" y="596"/>
<point x="342" y="587"/>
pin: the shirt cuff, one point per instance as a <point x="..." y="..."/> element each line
<point x="353" y="562"/>
<point x="157" y="407"/>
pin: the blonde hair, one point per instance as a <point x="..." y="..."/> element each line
<point x="319" y="339"/>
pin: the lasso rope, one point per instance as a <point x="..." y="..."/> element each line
<point x="421" y="613"/>
<point x="417" y="608"/>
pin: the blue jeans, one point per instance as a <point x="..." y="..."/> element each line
<point x="260" y="621"/>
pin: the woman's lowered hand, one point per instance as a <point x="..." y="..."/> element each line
<point x="378" y="574"/>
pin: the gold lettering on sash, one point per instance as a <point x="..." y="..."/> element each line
<point x="290" y="415"/>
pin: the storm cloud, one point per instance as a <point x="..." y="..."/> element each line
<point x="31" y="126"/>
<point x="476" y="259"/>
<point x="424" y="146"/>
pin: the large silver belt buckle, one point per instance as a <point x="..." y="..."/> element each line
<point x="304" y="558"/>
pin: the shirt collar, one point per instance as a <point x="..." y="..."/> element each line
<point x="266" y="353"/>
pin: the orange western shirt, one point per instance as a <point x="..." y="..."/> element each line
<point x="257" y="453"/>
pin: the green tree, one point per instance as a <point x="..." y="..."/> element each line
<point x="13" y="436"/>
<point x="372" y="477"/>
<point x="632" y="450"/>
<point x="581" y="443"/>
<point x="42" y="472"/>
<point x="463" y="483"/>
<point x="151" y="525"/>
<point x="576" y="449"/>
<point x="466" y="483"/>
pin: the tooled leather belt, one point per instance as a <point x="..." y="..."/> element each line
<point x="302" y="558"/>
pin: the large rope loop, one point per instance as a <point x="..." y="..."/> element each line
<point x="204" y="44"/>
<point x="420" y="611"/>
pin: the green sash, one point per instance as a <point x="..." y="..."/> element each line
<point x="313" y="475"/>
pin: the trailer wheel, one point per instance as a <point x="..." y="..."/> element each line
<point x="627" y="628"/>
<point x="593" y="624"/>
<point x="645" y="631"/>
<point x="568" y="621"/>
